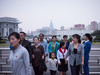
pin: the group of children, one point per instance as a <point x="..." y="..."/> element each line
<point x="60" y="60"/>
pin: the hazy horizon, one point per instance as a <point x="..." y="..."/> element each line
<point x="37" y="14"/>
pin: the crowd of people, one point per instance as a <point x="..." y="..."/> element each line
<point x="23" y="55"/>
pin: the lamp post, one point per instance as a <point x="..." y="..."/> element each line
<point x="7" y="30"/>
<point x="81" y="35"/>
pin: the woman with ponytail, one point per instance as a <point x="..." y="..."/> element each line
<point x="87" y="48"/>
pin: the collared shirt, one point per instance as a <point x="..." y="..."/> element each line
<point x="44" y="44"/>
<point x="86" y="41"/>
<point x="60" y="55"/>
<point x="19" y="61"/>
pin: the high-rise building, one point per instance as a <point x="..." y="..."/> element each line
<point x="51" y="25"/>
<point x="62" y="27"/>
<point x="88" y="27"/>
<point x="94" y="25"/>
<point x="79" y="26"/>
<point x="98" y="26"/>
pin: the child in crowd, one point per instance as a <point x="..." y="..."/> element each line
<point x="53" y="63"/>
<point x="61" y="54"/>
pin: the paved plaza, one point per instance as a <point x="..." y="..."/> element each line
<point x="68" y="72"/>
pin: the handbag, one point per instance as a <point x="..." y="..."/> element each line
<point x="42" y="66"/>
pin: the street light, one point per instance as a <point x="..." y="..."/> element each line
<point x="7" y="30"/>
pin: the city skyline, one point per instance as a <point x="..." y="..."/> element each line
<point x="37" y="14"/>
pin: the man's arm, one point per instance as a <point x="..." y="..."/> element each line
<point x="30" y="51"/>
<point x="46" y="49"/>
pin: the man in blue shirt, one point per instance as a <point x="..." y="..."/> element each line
<point x="43" y="42"/>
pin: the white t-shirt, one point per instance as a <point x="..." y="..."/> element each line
<point x="52" y="64"/>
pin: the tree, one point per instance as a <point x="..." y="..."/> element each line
<point x="96" y="33"/>
<point x="70" y="39"/>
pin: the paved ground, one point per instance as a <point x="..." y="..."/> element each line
<point x="68" y="72"/>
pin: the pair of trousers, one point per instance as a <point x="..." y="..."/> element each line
<point x="37" y="71"/>
<point x="75" y="69"/>
<point x="52" y="72"/>
<point x="86" y="67"/>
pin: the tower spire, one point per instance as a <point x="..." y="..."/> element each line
<point x="51" y="25"/>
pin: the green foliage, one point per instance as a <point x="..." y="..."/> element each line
<point x="2" y="41"/>
<point x="4" y="45"/>
<point x="97" y="39"/>
<point x="70" y="39"/>
<point x="96" y="33"/>
<point x="0" y="38"/>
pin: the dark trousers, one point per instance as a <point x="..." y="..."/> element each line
<point x="75" y="69"/>
<point x="52" y="72"/>
<point x="37" y="72"/>
<point x="86" y="67"/>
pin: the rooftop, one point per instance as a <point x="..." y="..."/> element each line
<point x="9" y="19"/>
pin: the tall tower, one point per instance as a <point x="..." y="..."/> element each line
<point x="51" y="25"/>
<point x="94" y="25"/>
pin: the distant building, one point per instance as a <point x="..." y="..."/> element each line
<point x="20" y="30"/>
<point x="79" y="26"/>
<point x="62" y="28"/>
<point x="98" y="26"/>
<point x="51" y="25"/>
<point x="94" y="25"/>
<point x="8" y="25"/>
<point x="71" y="32"/>
<point x="88" y="27"/>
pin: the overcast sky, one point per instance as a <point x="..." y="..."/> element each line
<point x="35" y="14"/>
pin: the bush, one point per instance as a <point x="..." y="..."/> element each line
<point x="96" y="33"/>
<point x="0" y="38"/>
<point x="97" y="39"/>
<point x="70" y="39"/>
<point x="2" y="41"/>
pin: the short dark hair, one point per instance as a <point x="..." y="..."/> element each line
<point x="23" y="33"/>
<point x="41" y="34"/>
<point x="14" y="34"/>
<point x="36" y="37"/>
<point x="62" y="44"/>
<point x="54" y="36"/>
<point x="89" y="37"/>
<point x="51" y="54"/>
<point x="65" y="36"/>
<point x="78" y="37"/>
